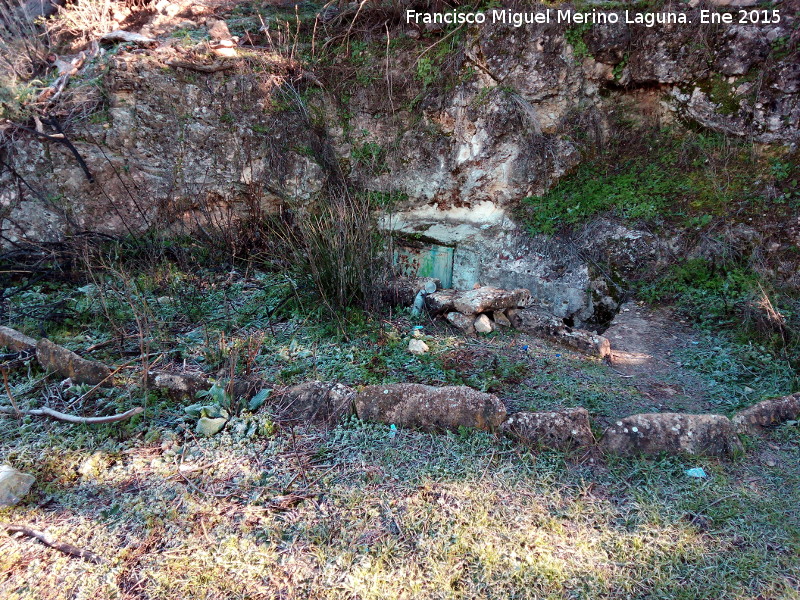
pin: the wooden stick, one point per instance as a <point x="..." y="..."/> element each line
<point x="60" y="546"/>
<point x="10" y="395"/>
<point x="59" y="416"/>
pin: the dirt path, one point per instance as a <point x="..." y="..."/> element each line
<point x="643" y="342"/>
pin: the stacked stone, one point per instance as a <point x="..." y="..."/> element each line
<point x="484" y="309"/>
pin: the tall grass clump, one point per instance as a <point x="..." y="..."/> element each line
<point x="334" y="243"/>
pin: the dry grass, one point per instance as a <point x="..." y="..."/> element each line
<point x="264" y="510"/>
<point x="406" y="515"/>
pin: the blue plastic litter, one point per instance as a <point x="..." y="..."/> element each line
<point x="696" y="472"/>
<point x="524" y="348"/>
<point x="392" y="430"/>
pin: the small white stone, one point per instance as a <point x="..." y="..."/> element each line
<point x="417" y="347"/>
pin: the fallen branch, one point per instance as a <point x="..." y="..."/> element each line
<point x="212" y="68"/>
<point x="60" y="546"/>
<point x="59" y="416"/>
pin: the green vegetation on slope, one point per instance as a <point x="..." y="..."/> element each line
<point x="669" y="177"/>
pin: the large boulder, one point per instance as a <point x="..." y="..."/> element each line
<point x="179" y="386"/>
<point x="13" y="485"/>
<point x="673" y="433"/>
<point x="537" y="321"/>
<point x="487" y="298"/>
<point x="430" y="408"/>
<point x="315" y="401"/>
<point x="563" y="430"/>
<point x="16" y="341"/>
<point x="767" y="413"/>
<point x="66" y="363"/>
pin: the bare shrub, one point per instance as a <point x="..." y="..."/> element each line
<point x="23" y="46"/>
<point x="85" y="20"/>
<point x="760" y="313"/>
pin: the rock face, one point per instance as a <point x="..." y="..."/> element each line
<point x="430" y="408"/>
<point x="488" y="298"/>
<point x="16" y="341"/>
<point x="316" y="401"/>
<point x="66" y="363"/>
<point x="563" y="430"/>
<point x="672" y="433"/>
<point x="539" y="322"/>
<point x="767" y="413"/>
<point x="461" y="160"/>
<point x="13" y="485"/>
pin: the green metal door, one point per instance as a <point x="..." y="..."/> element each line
<point x="426" y="261"/>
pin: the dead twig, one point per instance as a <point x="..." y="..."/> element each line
<point x="60" y="546"/>
<point x="17" y="412"/>
<point x="59" y="416"/>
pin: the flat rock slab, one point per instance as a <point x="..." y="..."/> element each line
<point x="537" y="321"/>
<point x="562" y="430"/>
<point x="767" y="413"/>
<point x="430" y="408"/>
<point x="440" y="302"/>
<point x="316" y="401"/>
<point x="501" y="319"/>
<point x="490" y="299"/>
<point x="673" y="433"/>
<point x="15" y="340"/>
<point x="66" y="363"/>
<point x="13" y="485"/>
